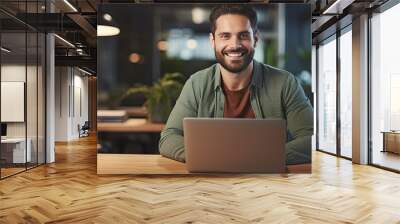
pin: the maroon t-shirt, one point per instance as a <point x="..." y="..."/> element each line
<point x="237" y="103"/>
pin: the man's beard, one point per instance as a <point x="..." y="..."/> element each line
<point x="235" y="66"/>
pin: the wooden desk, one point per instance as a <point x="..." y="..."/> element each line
<point x="135" y="112"/>
<point x="391" y="141"/>
<point x="130" y="125"/>
<point x="155" y="164"/>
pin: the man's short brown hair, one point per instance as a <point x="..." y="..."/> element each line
<point x="236" y="9"/>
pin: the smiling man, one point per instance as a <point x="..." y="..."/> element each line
<point x="240" y="87"/>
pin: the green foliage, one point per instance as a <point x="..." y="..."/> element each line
<point x="271" y="53"/>
<point x="161" y="96"/>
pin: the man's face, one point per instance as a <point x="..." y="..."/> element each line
<point x="233" y="42"/>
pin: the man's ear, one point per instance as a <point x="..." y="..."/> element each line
<point x="212" y="40"/>
<point x="256" y="37"/>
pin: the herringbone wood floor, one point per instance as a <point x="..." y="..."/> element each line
<point x="69" y="191"/>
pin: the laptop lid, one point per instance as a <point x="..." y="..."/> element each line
<point x="235" y="145"/>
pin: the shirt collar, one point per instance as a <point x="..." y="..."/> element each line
<point x="256" y="78"/>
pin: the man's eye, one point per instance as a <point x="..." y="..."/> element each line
<point x="245" y="36"/>
<point x="224" y="36"/>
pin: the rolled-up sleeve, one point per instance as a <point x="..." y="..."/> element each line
<point x="299" y="115"/>
<point x="171" y="143"/>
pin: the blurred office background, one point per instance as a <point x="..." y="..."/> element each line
<point x="155" y="40"/>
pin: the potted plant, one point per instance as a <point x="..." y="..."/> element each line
<point x="160" y="97"/>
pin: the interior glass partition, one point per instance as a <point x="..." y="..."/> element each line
<point x="22" y="88"/>
<point x="14" y="153"/>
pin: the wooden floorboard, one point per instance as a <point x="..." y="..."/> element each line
<point x="387" y="159"/>
<point x="70" y="191"/>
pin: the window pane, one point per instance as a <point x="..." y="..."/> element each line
<point x="327" y="97"/>
<point x="385" y="84"/>
<point x="346" y="94"/>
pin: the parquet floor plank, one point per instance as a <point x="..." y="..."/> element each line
<point x="70" y="191"/>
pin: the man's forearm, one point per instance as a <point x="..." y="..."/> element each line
<point x="298" y="151"/>
<point x="171" y="141"/>
<point x="172" y="146"/>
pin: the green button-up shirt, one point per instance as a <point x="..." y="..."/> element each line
<point x="274" y="93"/>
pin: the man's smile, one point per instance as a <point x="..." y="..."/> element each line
<point x="235" y="55"/>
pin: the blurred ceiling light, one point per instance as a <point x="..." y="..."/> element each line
<point x="43" y="7"/>
<point x="162" y="45"/>
<point x="70" y="6"/>
<point x="135" y="58"/>
<point x="191" y="44"/>
<point x="84" y="71"/>
<point x="5" y="50"/>
<point x="65" y="41"/>
<point x="79" y="51"/>
<point x="103" y="30"/>
<point x="107" y="17"/>
<point x="198" y="15"/>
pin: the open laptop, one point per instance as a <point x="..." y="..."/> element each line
<point x="230" y="145"/>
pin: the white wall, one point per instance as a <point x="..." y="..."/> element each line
<point x="61" y="103"/>
<point x="81" y="104"/>
<point x="71" y="102"/>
